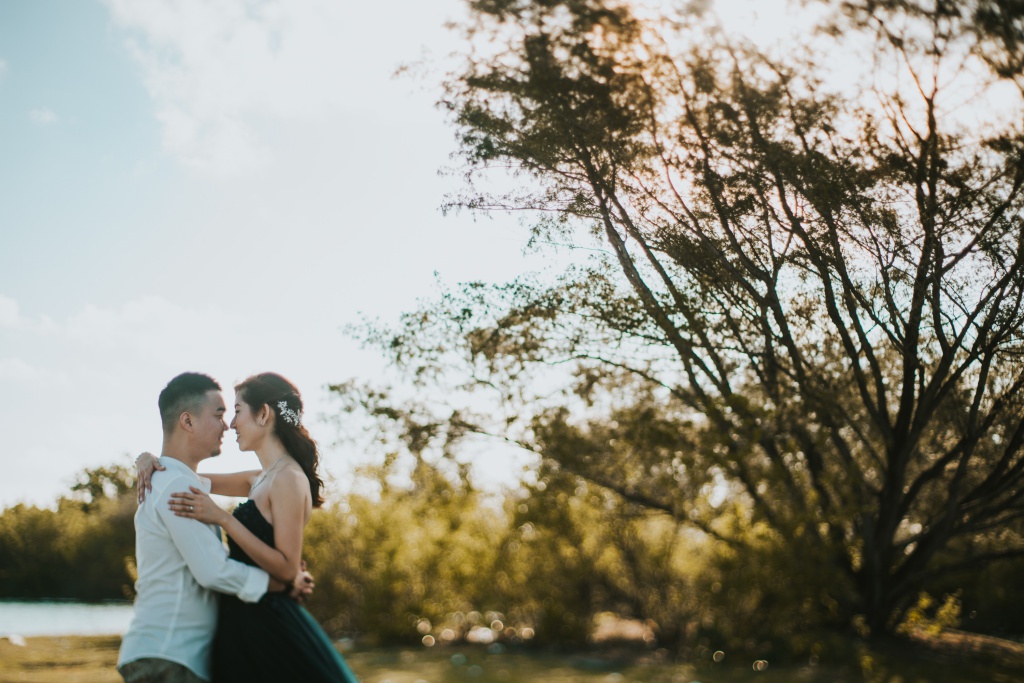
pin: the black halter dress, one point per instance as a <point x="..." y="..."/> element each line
<point x="275" y="639"/>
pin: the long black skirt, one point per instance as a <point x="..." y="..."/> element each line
<point x="274" y="640"/>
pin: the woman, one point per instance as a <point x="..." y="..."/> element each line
<point x="275" y="639"/>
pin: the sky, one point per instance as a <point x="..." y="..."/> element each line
<point x="220" y="187"/>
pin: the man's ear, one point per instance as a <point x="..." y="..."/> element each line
<point x="185" y="421"/>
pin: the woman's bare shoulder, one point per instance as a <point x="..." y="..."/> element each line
<point x="290" y="480"/>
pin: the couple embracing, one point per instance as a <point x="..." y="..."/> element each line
<point x="204" y="612"/>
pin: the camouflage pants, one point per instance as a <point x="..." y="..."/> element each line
<point x="151" y="670"/>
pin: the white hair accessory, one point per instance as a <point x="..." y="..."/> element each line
<point x="292" y="417"/>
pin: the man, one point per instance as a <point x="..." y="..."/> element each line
<point x="182" y="561"/>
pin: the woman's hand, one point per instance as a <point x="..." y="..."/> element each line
<point x="197" y="505"/>
<point x="299" y="589"/>
<point x="145" y="465"/>
<point x="302" y="587"/>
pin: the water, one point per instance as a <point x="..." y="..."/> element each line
<point x="64" y="618"/>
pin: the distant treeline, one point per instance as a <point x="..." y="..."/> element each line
<point x="434" y="559"/>
<point x="83" y="549"/>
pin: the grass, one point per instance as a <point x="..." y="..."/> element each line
<point x="77" y="659"/>
<point x="960" y="659"/>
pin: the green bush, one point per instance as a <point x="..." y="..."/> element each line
<point x="83" y="549"/>
<point x="421" y="556"/>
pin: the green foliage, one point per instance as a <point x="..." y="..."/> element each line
<point x="386" y="562"/>
<point x="96" y="485"/>
<point x="930" y="617"/>
<point x="434" y="558"/>
<point x="30" y="552"/>
<point x="578" y="551"/>
<point x="415" y="551"/>
<point x="799" y="336"/>
<point x="83" y="549"/>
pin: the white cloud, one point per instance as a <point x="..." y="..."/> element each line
<point x="9" y="315"/>
<point x="42" y="116"/>
<point x="218" y="71"/>
<point x="151" y="327"/>
<point x="20" y="371"/>
<point x="16" y="369"/>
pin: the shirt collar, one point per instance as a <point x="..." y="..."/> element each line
<point x="175" y="465"/>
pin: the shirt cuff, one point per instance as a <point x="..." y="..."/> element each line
<point x="255" y="587"/>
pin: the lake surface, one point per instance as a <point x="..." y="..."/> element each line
<point x="64" y="618"/>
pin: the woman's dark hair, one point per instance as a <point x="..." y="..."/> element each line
<point x="273" y="390"/>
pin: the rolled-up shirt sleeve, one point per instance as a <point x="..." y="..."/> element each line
<point x="206" y="556"/>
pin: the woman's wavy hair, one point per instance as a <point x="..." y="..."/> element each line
<point x="270" y="389"/>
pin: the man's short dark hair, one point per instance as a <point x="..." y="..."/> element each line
<point x="184" y="393"/>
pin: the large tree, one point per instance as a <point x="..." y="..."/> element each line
<point x="808" y="292"/>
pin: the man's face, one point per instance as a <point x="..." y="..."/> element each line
<point x="208" y="425"/>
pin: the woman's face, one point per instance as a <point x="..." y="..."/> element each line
<point x="248" y="432"/>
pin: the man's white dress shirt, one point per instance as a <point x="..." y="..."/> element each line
<point x="180" y="562"/>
